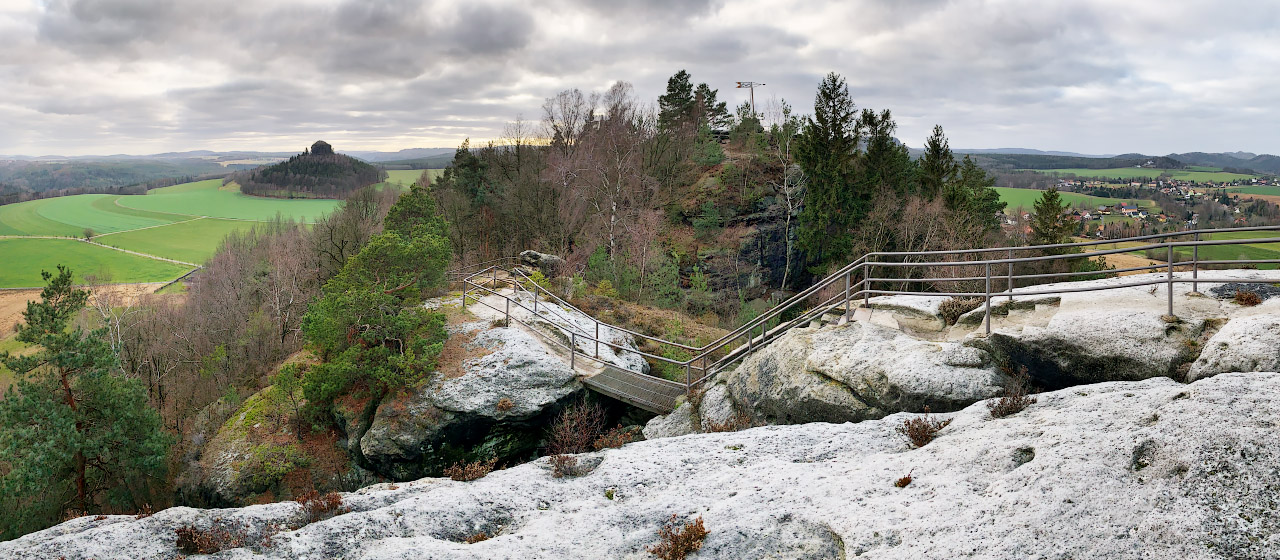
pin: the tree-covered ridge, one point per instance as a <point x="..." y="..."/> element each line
<point x="317" y="172"/>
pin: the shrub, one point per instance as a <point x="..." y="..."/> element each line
<point x="317" y="506"/>
<point x="904" y="481"/>
<point x="478" y="537"/>
<point x="268" y="464"/>
<point x="504" y="404"/>
<point x="1016" y="395"/>
<point x="675" y="542"/>
<point x="921" y="429"/>
<point x="564" y="465"/>
<point x="466" y="472"/>
<point x="192" y="540"/>
<point x="605" y="288"/>
<point x="576" y="429"/>
<point x="616" y="437"/>
<point x="1247" y="298"/>
<point x="953" y="308"/>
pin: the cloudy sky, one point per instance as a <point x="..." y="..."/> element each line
<point x="145" y="76"/>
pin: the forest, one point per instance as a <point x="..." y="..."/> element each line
<point x="318" y="172"/>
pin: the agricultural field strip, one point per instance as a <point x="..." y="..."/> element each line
<point x="150" y="227"/>
<point x="156" y="257"/>
<point x="197" y="216"/>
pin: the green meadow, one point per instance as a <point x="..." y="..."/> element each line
<point x="1268" y="190"/>
<point x="212" y="199"/>
<point x="1026" y="198"/>
<point x="25" y="258"/>
<point x="193" y="241"/>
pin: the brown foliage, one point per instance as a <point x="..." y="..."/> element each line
<point x="193" y="540"/>
<point x="617" y="437"/>
<point x="676" y="542"/>
<point x="564" y="465"/>
<point x="321" y="506"/>
<point x="504" y="404"/>
<point x="576" y="429"/>
<point x="953" y="308"/>
<point x="1016" y="395"/>
<point x="904" y="481"/>
<point x="921" y="429"/>
<point x="738" y="422"/>
<point x="466" y="472"/>
<point x="478" y="537"/>
<point x="1247" y="298"/>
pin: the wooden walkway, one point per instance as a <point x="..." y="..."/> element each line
<point x="653" y="394"/>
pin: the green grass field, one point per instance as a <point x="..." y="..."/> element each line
<point x="9" y="344"/>
<point x="210" y="198"/>
<point x="1196" y="173"/>
<point x="1270" y="190"/>
<point x="1252" y="251"/>
<point x="25" y="258"/>
<point x="1026" y="198"/>
<point x="191" y="241"/>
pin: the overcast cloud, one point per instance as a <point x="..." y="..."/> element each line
<point x="145" y="76"/>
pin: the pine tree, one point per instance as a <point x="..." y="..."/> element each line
<point x="938" y="165"/>
<point x="75" y="436"/>
<point x="1049" y="222"/>
<point x="886" y="166"/>
<point x="826" y="152"/>
<point x="677" y="104"/>
<point x="970" y="192"/>
<point x="715" y="113"/>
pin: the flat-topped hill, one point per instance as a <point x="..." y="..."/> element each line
<point x="317" y="172"/>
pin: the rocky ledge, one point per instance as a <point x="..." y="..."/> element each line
<point x="1139" y="469"/>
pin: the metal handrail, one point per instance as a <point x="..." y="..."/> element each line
<point x="865" y="288"/>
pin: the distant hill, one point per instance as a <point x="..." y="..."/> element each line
<point x="1010" y="162"/>
<point x="39" y="176"/>
<point x="402" y="155"/>
<point x="318" y="172"/>
<point x="1028" y="151"/>
<point x="439" y="161"/>
<point x="1233" y="161"/>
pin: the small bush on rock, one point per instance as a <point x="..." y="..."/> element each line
<point x="505" y="404"/>
<point x="1015" y="398"/>
<point x="478" y="537"/>
<point x="564" y="465"/>
<point x="677" y="542"/>
<point x="614" y="438"/>
<point x="904" y="481"/>
<point x="922" y="429"/>
<point x="576" y="429"/>
<point x="736" y="423"/>
<point x="1247" y="298"/>
<point x="466" y="472"/>
<point x="192" y="540"/>
<point x="318" y="507"/>
<point x="953" y="308"/>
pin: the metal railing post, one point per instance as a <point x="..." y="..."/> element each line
<point x="1010" y="274"/>
<point x="495" y="278"/>
<point x="866" y="287"/>
<point x="988" y="298"/>
<point x="688" y="377"/>
<point x="535" y="297"/>
<point x="704" y="366"/>
<point x="1195" y="266"/>
<point x="464" y="295"/>
<point x="573" y="349"/>
<point x="1170" y="282"/>
<point x="508" y="311"/>
<point x="846" y="293"/>
<point x="597" y="339"/>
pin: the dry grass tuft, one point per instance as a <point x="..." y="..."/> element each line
<point x="676" y="542"/>
<point x="1016" y="395"/>
<point x="904" y="481"/>
<point x="738" y="422"/>
<point x="922" y="429"/>
<point x="478" y="537"/>
<point x="953" y="308"/>
<point x="192" y="540"/>
<point x="564" y="465"/>
<point x="470" y="471"/>
<point x="504" y="404"/>
<point x="1247" y="298"/>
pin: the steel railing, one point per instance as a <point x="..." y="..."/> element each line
<point x="859" y="280"/>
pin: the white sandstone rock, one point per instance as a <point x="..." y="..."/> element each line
<point x="1249" y="343"/>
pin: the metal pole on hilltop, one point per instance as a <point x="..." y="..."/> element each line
<point x="751" y="86"/>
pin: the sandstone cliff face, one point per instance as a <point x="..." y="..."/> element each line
<point x="1142" y="469"/>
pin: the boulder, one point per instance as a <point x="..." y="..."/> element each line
<point x="1096" y="345"/>
<point x="550" y="265"/>
<point x="499" y="406"/>
<point x="1121" y="470"/>
<point x="857" y="371"/>
<point x="1250" y="343"/>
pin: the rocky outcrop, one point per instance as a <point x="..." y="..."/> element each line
<point x="1095" y="345"/>
<point x="858" y="371"/>
<point x="1122" y="470"/>
<point x="550" y="265"/>
<point x="498" y="404"/>
<point x="1249" y="343"/>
